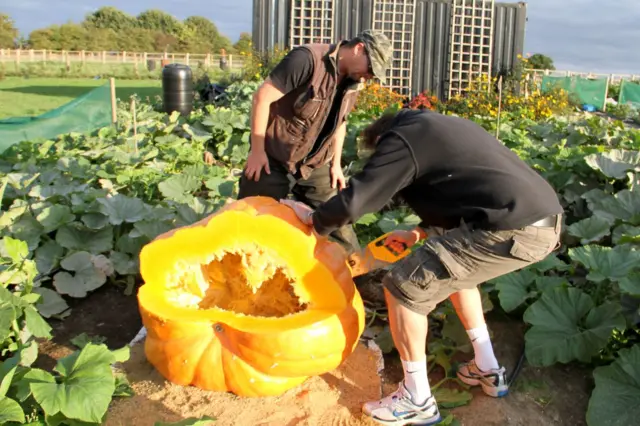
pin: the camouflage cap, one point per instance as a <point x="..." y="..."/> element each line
<point x="380" y="52"/>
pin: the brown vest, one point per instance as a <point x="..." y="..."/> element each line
<point x="296" y="119"/>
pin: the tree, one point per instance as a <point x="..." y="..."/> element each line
<point x="244" y="43"/>
<point x="111" y="18"/>
<point x="539" y="61"/>
<point x="8" y="32"/>
<point x="157" y="20"/>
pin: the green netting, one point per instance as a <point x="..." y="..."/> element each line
<point x="590" y="92"/>
<point x="86" y="113"/>
<point x="629" y="93"/>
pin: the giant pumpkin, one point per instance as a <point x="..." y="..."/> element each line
<point x="247" y="300"/>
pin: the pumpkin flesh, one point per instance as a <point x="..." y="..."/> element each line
<point x="247" y="301"/>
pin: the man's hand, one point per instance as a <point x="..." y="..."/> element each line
<point x="303" y="211"/>
<point x="337" y="177"/>
<point x="397" y="239"/>
<point x="256" y="161"/>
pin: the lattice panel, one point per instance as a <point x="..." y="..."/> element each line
<point x="471" y="43"/>
<point x="311" y="22"/>
<point x="397" y="19"/>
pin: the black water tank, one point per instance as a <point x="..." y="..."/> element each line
<point x="177" y="88"/>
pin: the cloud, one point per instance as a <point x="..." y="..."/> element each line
<point x="585" y="35"/>
<point x="581" y="35"/>
<point x="230" y="16"/>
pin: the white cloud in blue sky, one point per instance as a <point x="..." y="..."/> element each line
<point x="581" y="35"/>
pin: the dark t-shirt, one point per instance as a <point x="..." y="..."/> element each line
<point x="446" y="169"/>
<point x="295" y="70"/>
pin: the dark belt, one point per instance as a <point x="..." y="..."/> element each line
<point x="549" y="221"/>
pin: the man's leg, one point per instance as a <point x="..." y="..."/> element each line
<point x="276" y="185"/>
<point x="315" y="190"/>
<point x="454" y="263"/>
<point x="525" y="247"/>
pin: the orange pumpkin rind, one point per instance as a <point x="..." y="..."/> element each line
<point x="311" y="326"/>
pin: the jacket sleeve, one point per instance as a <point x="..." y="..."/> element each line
<point x="391" y="168"/>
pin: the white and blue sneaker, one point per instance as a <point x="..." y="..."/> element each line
<point x="398" y="409"/>
<point x="493" y="382"/>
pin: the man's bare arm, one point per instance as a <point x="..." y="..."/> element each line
<point x="266" y="94"/>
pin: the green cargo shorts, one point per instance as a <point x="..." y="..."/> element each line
<point x="463" y="258"/>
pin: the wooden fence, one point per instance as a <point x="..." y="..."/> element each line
<point x="207" y="60"/>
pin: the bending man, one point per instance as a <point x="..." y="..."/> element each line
<point x="486" y="214"/>
<point x="299" y="121"/>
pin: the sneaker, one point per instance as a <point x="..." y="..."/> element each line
<point x="399" y="409"/>
<point x="493" y="382"/>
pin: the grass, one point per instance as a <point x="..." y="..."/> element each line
<point x="33" y="96"/>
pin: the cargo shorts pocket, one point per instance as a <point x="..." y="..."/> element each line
<point x="421" y="277"/>
<point x="530" y="248"/>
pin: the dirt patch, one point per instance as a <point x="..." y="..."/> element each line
<point x="331" y="399"/>
<point x="549" y="396"/>
<point x="556" y="395"/>
<point x="107" y="312"/>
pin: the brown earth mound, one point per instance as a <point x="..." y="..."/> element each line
<point x="334" y="398"/>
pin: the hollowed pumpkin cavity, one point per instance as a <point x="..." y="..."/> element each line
<point x="247" y="281"/>
<point x="247" y="300"/>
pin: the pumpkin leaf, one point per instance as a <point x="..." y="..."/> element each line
<point x="14" y="249"/>
<point x="566" y="326"/>
<point x="625" y="234"/>
<point x="36" y="324"/>
<point x="76" y="236"/>
<point x="549" y="283"/>
<point x="452" y="398"/>
<point x="615" y="163"/>
<point x="52" y="218"/>
<point x="10" y="411"/>
<point x="614" y="400"/>
<point x="95" y="220"/>
<point x="48" y="255"/>
<point x="605" y="262"/>
<point x="624" y="205"/>
<point x="84" y="390"/>
<point x="180" y="187"/>
<point x="120" y="208"/>
<point x="515" y="288"/>
<point x="90" y="274"/>
<point x="7" y="316"/>
<point x="591" y="229"/>
<point x="51" y="304"/>
<point x="367" y="219"/>
<point x="630" y="284"/>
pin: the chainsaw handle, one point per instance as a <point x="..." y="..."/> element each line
<point x="381" y="243"/>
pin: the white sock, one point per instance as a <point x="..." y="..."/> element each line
<point x="484" y="356"/>
<point x="416" y="380"/>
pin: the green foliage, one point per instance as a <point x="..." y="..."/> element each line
<point x="82" y="206"/>
<point x="8" y="32"/>
<point x="111" y="29"/>
<point x="541" y="62"/>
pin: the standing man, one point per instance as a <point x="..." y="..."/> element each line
<point x="487" y="214"/>
<point x="299" y="121"/>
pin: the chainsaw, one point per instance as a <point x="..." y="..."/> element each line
<point x="376" y="255"/>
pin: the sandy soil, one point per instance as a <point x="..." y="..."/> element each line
<point x="334" y="398"/>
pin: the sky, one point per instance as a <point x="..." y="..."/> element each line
<point x="580" y="35"/>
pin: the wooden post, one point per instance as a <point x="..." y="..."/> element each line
<point x="114" y="107"/>
<point x="606" y="93"/>
<point x="135" y="123"/>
